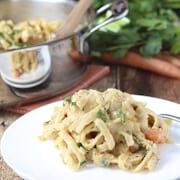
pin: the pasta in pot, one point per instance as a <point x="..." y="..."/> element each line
<point x="24" y="62"/>
<point x="24" y="34"/>
<point x="107" y="128"/>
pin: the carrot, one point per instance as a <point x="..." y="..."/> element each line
<point x="163" y="64"/>
<point x="77" y="56"/>
<point x="16" y="73"/>
<point x="152" y="64"/>
<point x="134" y="148"/>
<point x="157" y="135"/>
<point x="165" y="56"/>
<point x="177" y="56"/>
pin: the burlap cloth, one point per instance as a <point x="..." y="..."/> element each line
<point x="5" y="172"/>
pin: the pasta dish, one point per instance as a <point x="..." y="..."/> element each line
<point x="24" y="34"/>
<point x="107" y="128"/>
<point x="24" y="62"/>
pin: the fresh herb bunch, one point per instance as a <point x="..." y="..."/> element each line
<point x="150" y="26"/>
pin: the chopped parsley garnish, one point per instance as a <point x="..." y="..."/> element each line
<point x="73" y="103"/>
<point x="79" y="144"/>
<point x="137" y="140"/>
<point x="102" y="115"/>
<point x="82" y="163"/>
<point x="68" y="99"/>
<point x="47" y="122"/>
<point x="122" y="115"/>
<point x="105" y="163"/>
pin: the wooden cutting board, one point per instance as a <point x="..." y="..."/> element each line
<point x="7" y="97"/>
<point x="64" y="74"/>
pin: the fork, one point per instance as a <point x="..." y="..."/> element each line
<point x="171" y="117"/>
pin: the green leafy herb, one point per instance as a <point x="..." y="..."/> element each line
<point x="137" y="140"/>
<point x="99" y="3"/>
<point x="73" y="103"/>
<point x="102" y="115"/>
<point x="69" y="100"/>
<point x="151" y="25"/>
<point x="105" y="163"/>
<point x="175" y="47"/>
<point x="47" y="122"/>
<point x="82" y="162"/>
<point x="79" y="144"/>
<point x="152" y="46"/>
<point x="122" y="114"/>
<point x="21" y="45"/>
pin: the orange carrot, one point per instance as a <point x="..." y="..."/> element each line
<point x="165" y="56"/>
<point x="152" y="64"/>
<point x="157" y="135"/>
<point x="163" y="64"/>
<point x="16" y="73"/>
<point x="177" y="56"/>
<point x="134" y="148"/>
<point x="77" y="56"/>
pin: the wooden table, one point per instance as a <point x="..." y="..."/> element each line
<point x="124" y="78"/>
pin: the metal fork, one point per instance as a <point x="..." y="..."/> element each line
<point x="171" y="117"/>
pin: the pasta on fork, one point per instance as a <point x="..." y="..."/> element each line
<point x="107" y="128"/>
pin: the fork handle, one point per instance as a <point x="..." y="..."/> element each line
<point x="172" y="117"/>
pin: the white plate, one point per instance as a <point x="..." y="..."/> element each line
<point x="44" y="66"/>
<point x="27" y="85"/>
<point x="36" y="160"/>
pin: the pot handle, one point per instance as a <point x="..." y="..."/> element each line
<point x="119" y="9"/>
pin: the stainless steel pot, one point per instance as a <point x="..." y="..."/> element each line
<point x="69" y="71"/>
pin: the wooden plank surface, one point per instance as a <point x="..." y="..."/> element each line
<point x="142" y="82"/>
